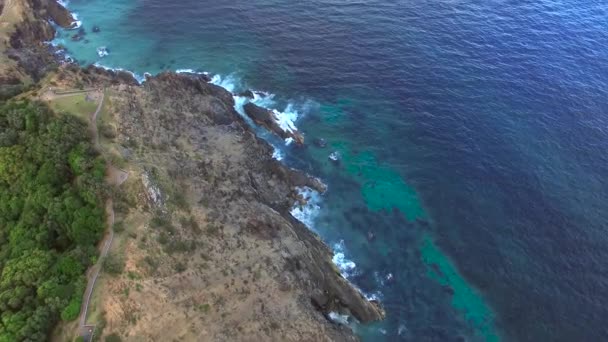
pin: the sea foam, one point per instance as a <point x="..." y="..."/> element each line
<point x="347" y="267"/>
<point x="307" y="213"/>
<point x="338" y="318"/>
<point x="285" y="119"/>
<point x="140" y="79"/>
<point x="77" y="23"/>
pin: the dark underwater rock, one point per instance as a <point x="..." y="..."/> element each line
<point x="320" y="142"/>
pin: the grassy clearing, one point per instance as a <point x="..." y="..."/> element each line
<point x="75" y="105"/>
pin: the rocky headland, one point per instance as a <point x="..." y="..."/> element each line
<point x="206" y="238"/>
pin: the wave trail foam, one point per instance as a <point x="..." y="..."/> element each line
<point x="347" y="267"/>
<point x="308" y="212"/>
<point x="190" y="71"/>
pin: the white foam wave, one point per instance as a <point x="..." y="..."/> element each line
<point x="77" y="23"/>
<point x="102" y="51"/>
<point x="308" y="212"/>
<point x="377" y="296"/>
<point x="347" y="267"/>
<point x="338" y="318"/>
<point x="139" y="78"/>
<point x="263" y="99"/>
<point x="286" y="118"/>
<point x="278" y="154"/>
<point x="230" y="82"/>
<point x="191" y="71"/>
<point x="383" y="279"/>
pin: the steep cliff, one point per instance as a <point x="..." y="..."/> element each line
<point x="207" y="239"/>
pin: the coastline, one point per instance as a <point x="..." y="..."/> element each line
<point x="338" y="297"/>
<point x="261" y="99"/>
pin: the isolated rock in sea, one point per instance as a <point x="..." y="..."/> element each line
<point x="60" y="15"/>
<point x="247" y="93"/>
<point x="320" y="142"/>
<point x="102" y="51"/>
<point x="79" y="35"/>
<point x="334" y="157"/>
<point x="260" y="94"/>
<point x="371" y="236"/>
<point x="96" y="29"/>
<point x="265" y="117"/>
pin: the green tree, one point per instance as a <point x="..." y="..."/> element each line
<point x="51" y="217"/>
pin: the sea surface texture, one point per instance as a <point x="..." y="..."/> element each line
<point x="471" y="191"/>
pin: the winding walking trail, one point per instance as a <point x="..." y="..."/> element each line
<point x="117" y="178"/>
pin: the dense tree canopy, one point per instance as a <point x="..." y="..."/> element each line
<point x="51" y="217"/>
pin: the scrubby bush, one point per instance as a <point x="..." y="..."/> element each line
<point x="113" y="265"/>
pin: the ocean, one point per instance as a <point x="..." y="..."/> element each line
<point x="471" y="191"/>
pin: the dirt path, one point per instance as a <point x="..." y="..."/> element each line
<point x="115" y="177"/>
<point x="51" y="94"/>
<point x="94" y="121"/>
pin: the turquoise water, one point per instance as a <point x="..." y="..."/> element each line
<point x="471" y="193"/>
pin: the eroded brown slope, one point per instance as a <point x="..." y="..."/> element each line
<point x="256" y="273"/>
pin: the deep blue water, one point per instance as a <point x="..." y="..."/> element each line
<point x="474" y="138"/>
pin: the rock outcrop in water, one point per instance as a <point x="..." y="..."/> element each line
<point x="59" y="14"/>
<point x="226" y="245"/>
<point x="267" y="118"/>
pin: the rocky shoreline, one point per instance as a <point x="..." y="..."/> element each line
<point x="185" y="133"/>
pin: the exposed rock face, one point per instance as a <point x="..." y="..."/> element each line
<point x="24" y="43"/>
<point x="190" y="131"/>
<point x="247" y="93"/>
<point x="266" y="118"/>
<point x="59" y="14"/>
<point x="24" y="58"/>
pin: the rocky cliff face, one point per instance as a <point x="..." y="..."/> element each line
<point x="25" y="58"/>
<point x="261" y="274"/>
<point x="173" y="108"/>
<point x="217" y="254"/>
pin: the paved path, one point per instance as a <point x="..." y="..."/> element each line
<point x="86" y="330"/>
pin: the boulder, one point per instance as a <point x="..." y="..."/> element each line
<point x="266" y="117"/>
<point x="60" y="15"/>
<point x="334" y="157"/>
<point x="247" y="93"/>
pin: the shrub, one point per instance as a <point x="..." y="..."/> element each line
<point x="113" y="265"/>
<point x="113" y="337"/>
<point x="119" y="227"/>
<point x="180" y="267"/>
<point x="71" y="311"/>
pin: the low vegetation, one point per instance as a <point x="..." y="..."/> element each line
<point x="51" y="217"/>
